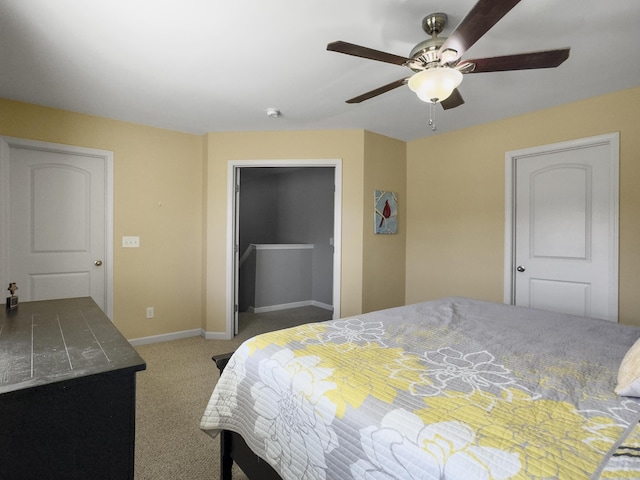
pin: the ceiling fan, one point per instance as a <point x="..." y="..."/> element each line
<point x="437" y="63"/>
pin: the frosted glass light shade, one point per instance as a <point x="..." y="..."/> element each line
<point x="435" y="84"/>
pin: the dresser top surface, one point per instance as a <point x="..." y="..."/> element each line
<point x="58" y="340"/>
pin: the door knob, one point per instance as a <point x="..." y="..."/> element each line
<point x="520" y="268"/>
<point x="97" y="263"/>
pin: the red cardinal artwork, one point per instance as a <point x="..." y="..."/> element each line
<point x="386" y="213"/>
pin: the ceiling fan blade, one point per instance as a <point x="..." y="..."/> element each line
<point x="484" y="15"/>
<point x="365" y="52"/>
<point x="452" y="101"/>
<point x="378" y="91"/>
<point x="522" y="61"/>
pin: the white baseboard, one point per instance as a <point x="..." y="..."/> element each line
<point x="285" y="306"/>
<point x="282" y="306"/>
<point x="165" y="337"/>
<point x="326" y="306"/>
<point x="216" y="336"/>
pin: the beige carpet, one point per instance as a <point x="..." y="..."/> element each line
<point x="173" y="392"/>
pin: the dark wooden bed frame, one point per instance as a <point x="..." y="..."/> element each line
<point x="233" y="448"/>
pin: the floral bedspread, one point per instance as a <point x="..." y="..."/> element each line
<point x="450" y="389"/>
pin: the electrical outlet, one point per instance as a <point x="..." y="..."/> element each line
<point x="130" y="242"/>
<point x="150" y="312"/>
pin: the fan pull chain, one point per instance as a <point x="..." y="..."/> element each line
<point x="432" y="115"/>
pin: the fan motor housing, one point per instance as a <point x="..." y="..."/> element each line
<point x="428" y="49"/>
<point x="426" y="52"/>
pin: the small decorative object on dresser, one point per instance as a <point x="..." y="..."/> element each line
<point x="12" y="301"/>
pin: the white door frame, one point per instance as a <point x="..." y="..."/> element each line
<point x="613" y="141"/>
<point x="5" y="144"/>
<point x="232" y="166"/>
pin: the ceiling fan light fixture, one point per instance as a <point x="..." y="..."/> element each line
<point x="434" y="85"/>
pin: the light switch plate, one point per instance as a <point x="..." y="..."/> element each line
<point x="130" y="242"/>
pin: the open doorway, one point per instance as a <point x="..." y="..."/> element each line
<point x="286" y="237"/>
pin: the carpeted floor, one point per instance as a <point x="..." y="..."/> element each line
<point x="173" y="392"/>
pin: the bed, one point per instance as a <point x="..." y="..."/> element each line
<point x="450" y="389"/>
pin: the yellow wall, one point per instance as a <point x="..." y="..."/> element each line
<point x="383" y="271"/>
<point x="456" y="186"/>
<point x="347" y="145"/>
<point x="451" y="204"/>
<point x="180" y="268"/>
<point x="151" y="165"/>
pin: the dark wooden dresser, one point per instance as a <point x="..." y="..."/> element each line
<point x="67" y="393"/>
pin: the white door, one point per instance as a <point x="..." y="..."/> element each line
<point x="59" y="227"/>
<point x="565" y="214"/>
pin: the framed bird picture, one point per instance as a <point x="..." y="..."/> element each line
<point x="385" y="205"/>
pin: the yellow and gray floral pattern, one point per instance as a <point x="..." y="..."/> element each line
<point x="455" y="389"/>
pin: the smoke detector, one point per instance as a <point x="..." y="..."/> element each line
<point x="273" y="112"/>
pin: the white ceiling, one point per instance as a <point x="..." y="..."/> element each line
<point x="209" y="66"/>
